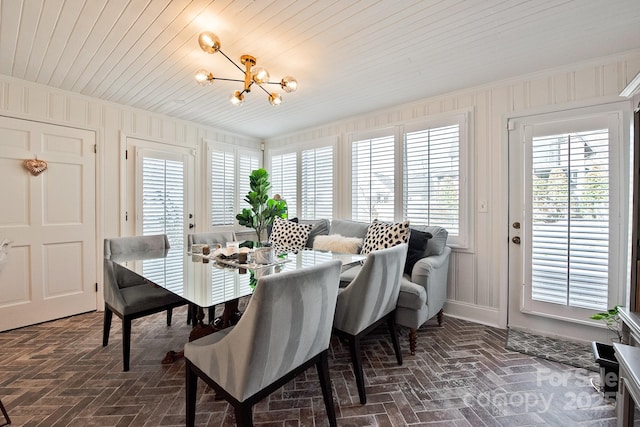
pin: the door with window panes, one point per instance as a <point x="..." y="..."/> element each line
<point x="164" y="205"/>
<point x="565" y="246"/>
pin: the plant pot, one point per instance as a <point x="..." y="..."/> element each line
<point x="604" y="356"/>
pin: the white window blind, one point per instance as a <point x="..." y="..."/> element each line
<point x="570" y="219"/>
<point x="372" y="175"/>
<point x="317" y="183"/>
<point x="230" y="168"/>
<point x="247" y="163"/>
<point x="163" y="213"/>
<point x="223" y="188"/>
<point x="432" y="177"/>
<point x="284" y="179"/>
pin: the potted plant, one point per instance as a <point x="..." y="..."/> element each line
<point x="263" y="209"/>
<point x="604" y="354"/>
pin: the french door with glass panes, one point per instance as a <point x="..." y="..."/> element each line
<point x="164" y="205"/>
<point x="566" y="253"/>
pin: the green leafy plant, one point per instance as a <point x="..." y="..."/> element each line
<point x="263" y="209"/>
<point x="612" y="319"/>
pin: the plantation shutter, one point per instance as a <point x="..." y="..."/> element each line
<point x="284" y="179"/>
<point x="570" y="219"/>
<point x="248" y="162"/>
<point x="223" y="188"/>
<point x="163" y="213"/>
<point x="372" y="174"/>
<point x="317" y="183"/>
<point x="432" y="177"/>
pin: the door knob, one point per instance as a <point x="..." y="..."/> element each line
<point x="516" y="240"/>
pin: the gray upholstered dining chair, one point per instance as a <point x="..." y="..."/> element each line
<point x="368" y="300"/>
<point x="207" y="238"/>
<point x="285" y="329"/>
<point x="129" y="295"/>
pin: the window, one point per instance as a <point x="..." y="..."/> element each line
<point x="223" y="188"/>
<point x="316" y="183"/>
<point x="229" y="170"/>
<point x="163" y="205"/>
<point x="426" y="186"/>
<point x="248" y="162"/>
<point x="284" y="179"/>
<point x="372" y="178"/>
<point x="414" y="171"/>
<point x="304" y="176"/>
<point x="432" y="177"/>
<point x="570" y="211"/>
<point x="571" y="189"/>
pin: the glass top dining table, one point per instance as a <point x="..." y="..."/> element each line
<point x="206" y="280"/>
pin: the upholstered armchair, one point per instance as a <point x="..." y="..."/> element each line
<point x="423" y="293"/>
<point x="368" y="300"/>
<point x="128" y="294"/>
<point x="285" y="329"/>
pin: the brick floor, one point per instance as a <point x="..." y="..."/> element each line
<point x="58" y="374"/>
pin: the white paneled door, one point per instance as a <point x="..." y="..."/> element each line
<point x="51" y="220"/>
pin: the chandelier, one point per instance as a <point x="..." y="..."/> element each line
<point x="210" y="43"/>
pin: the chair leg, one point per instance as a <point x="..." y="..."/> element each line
<point x="440" y="316"/>
<point x="5" y="414"/>
<point x="191" y="391"/>
<point x="325" y="383"/>
<point x="391" y="322"/>
<point x="108" y="315"/>
<point x="356" y="361"/>
<point x="244" y="415"/>
<point x="169" y="314"/>
<point x="413" y="340"/>
<point x="189" y="314"/>
<point x="212" y="314"/>
<point x="126" y="342"/>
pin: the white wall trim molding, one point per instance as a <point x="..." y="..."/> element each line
<point x="473" y="313"/>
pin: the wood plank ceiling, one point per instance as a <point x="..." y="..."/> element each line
<point x="349" y="56"/>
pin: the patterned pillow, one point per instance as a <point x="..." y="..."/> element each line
<point x="382" y="235"/>
<point x="287" y="236"/>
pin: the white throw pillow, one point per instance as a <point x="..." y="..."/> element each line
<point x="338" y="243"/>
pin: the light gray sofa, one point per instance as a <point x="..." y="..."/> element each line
<point x="423" y="293"/>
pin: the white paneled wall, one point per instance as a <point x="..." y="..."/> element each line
<point x="25" y="100"/>
<point x="478" y="276"/>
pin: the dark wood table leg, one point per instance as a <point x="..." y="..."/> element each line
<point x="230" y="317"/>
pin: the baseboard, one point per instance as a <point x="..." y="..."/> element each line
<point x="473" y="313"/>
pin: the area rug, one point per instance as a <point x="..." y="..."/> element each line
<point x="557" y="350"/>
